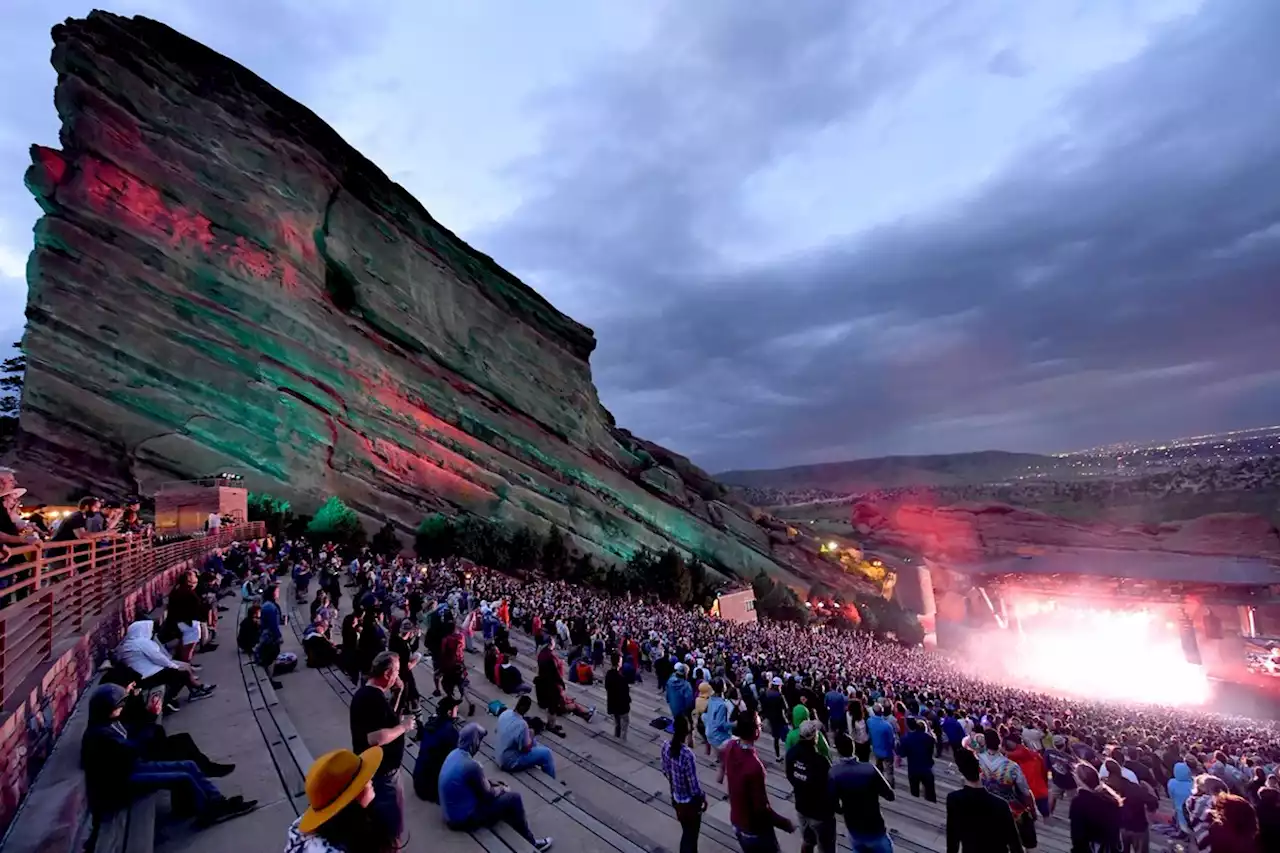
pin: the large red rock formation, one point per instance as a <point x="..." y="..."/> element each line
<point x="220" y="282"/>
<point x="971" y="531"/>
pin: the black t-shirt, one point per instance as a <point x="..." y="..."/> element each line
<point x="67" y="529"/>
<point x="807" y="772"/>
<point x="371" y="712"/>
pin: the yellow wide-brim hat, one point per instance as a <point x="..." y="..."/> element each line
<point x="334" y="780"/>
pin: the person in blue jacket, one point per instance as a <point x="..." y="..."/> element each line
<point x="837" y="710"/>
<point x="917" y="747"/>
<point x="680" y="693"/>
<point x="881" y="730"/>
<point x="1179" y="792"/>
<point x="953" y="731"/>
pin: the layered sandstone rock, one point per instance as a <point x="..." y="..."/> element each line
<point x="972" y="531"/>
<point x="220" y="282"/>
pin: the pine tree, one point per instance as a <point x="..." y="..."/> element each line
<point x="12" y="373"/>
<point x="386" y="541"/>
<point x="555" y="554"/>
<point x="336" y="522"/>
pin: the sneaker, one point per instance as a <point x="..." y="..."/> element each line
<point x="217" y="771"/>
<point x="471" y="710"/>
<point x="209" y="647"/>
<point x="591" y="712"/>
<point x="543" y="844"/>
<point x="436" y="692"/>
<point x="221" y="810"/>
<point x="202" y="692"/>
<point x="276" y="685"/>
<point x="222" y="609"/>
<point x="171" y="707"/>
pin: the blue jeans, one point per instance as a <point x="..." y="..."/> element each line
<point x="507" y="807"/>
<point x="176" y="777"/>
<point x="765" y="842"/>
<point x="871" y="843"/>
<point x="537" y="756"/>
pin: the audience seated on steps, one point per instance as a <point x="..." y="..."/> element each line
<point x="116" y="771"/>
<point x="469" y="801"/>
<point x="153" y="666"/>
<point x="317" y="646"/>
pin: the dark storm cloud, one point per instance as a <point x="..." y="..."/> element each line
<point x="1121" y="280"/>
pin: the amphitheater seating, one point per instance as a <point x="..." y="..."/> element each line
<point x="612" y="795"/>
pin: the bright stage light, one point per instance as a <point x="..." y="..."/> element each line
<point x="1093" y="652"/>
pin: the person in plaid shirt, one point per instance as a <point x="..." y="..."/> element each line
<point x="681" y="769"/>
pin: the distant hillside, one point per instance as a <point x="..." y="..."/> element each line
<point x="886" y="472"/>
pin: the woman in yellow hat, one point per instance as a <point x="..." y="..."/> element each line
<point x="339" y="790"/>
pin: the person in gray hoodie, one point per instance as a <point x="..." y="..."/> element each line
<point x="469" y="801"/>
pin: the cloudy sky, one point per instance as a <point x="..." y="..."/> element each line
<point x="811" y="230"/>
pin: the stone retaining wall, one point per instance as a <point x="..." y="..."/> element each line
<point x="30" y="729"/>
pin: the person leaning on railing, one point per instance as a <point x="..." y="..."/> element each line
<point x="81" y="524"/>
<point x="14" y="533"/>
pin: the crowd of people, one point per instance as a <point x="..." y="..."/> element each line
<point x="847" y="713"/>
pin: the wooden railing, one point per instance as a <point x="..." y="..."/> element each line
<point x="53" y="591"/>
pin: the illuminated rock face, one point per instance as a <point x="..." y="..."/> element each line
<point x="968" y="532"/>
<point x="221" y="283"/>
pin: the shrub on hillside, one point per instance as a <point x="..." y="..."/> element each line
<point x="336" y="522"/>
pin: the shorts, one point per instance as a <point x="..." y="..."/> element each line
<point x="455" y="678"/>
<point x="779" y="730"/>
<point x="189" y="633"/>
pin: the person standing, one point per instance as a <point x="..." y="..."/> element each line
<point x="977" y="820"/>
<point x="774" y="709"/>
<point x="883" y="736"/>
<point x="1094" y="814"/>
<point x="617" y="690"/>
<point x="271" y="637"/>
<point x="1137" y="802"/>
<point x="918" y="748"/>
<point x="715" y="720"/>
<point x="377" y="721"/>
<point x="753" y="818"/>
<point x="808" y="771"/>
<point x="680" y="694"/>
<point x="681" y="769"/>
<point x="1033" y="767"/>
<point x="856" y="789"/>
<point x="837" y="710"/>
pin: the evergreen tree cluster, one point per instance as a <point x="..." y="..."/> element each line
<point x="665" y="575"/>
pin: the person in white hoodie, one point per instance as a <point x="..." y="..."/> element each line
<point x="140" y="652"/>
